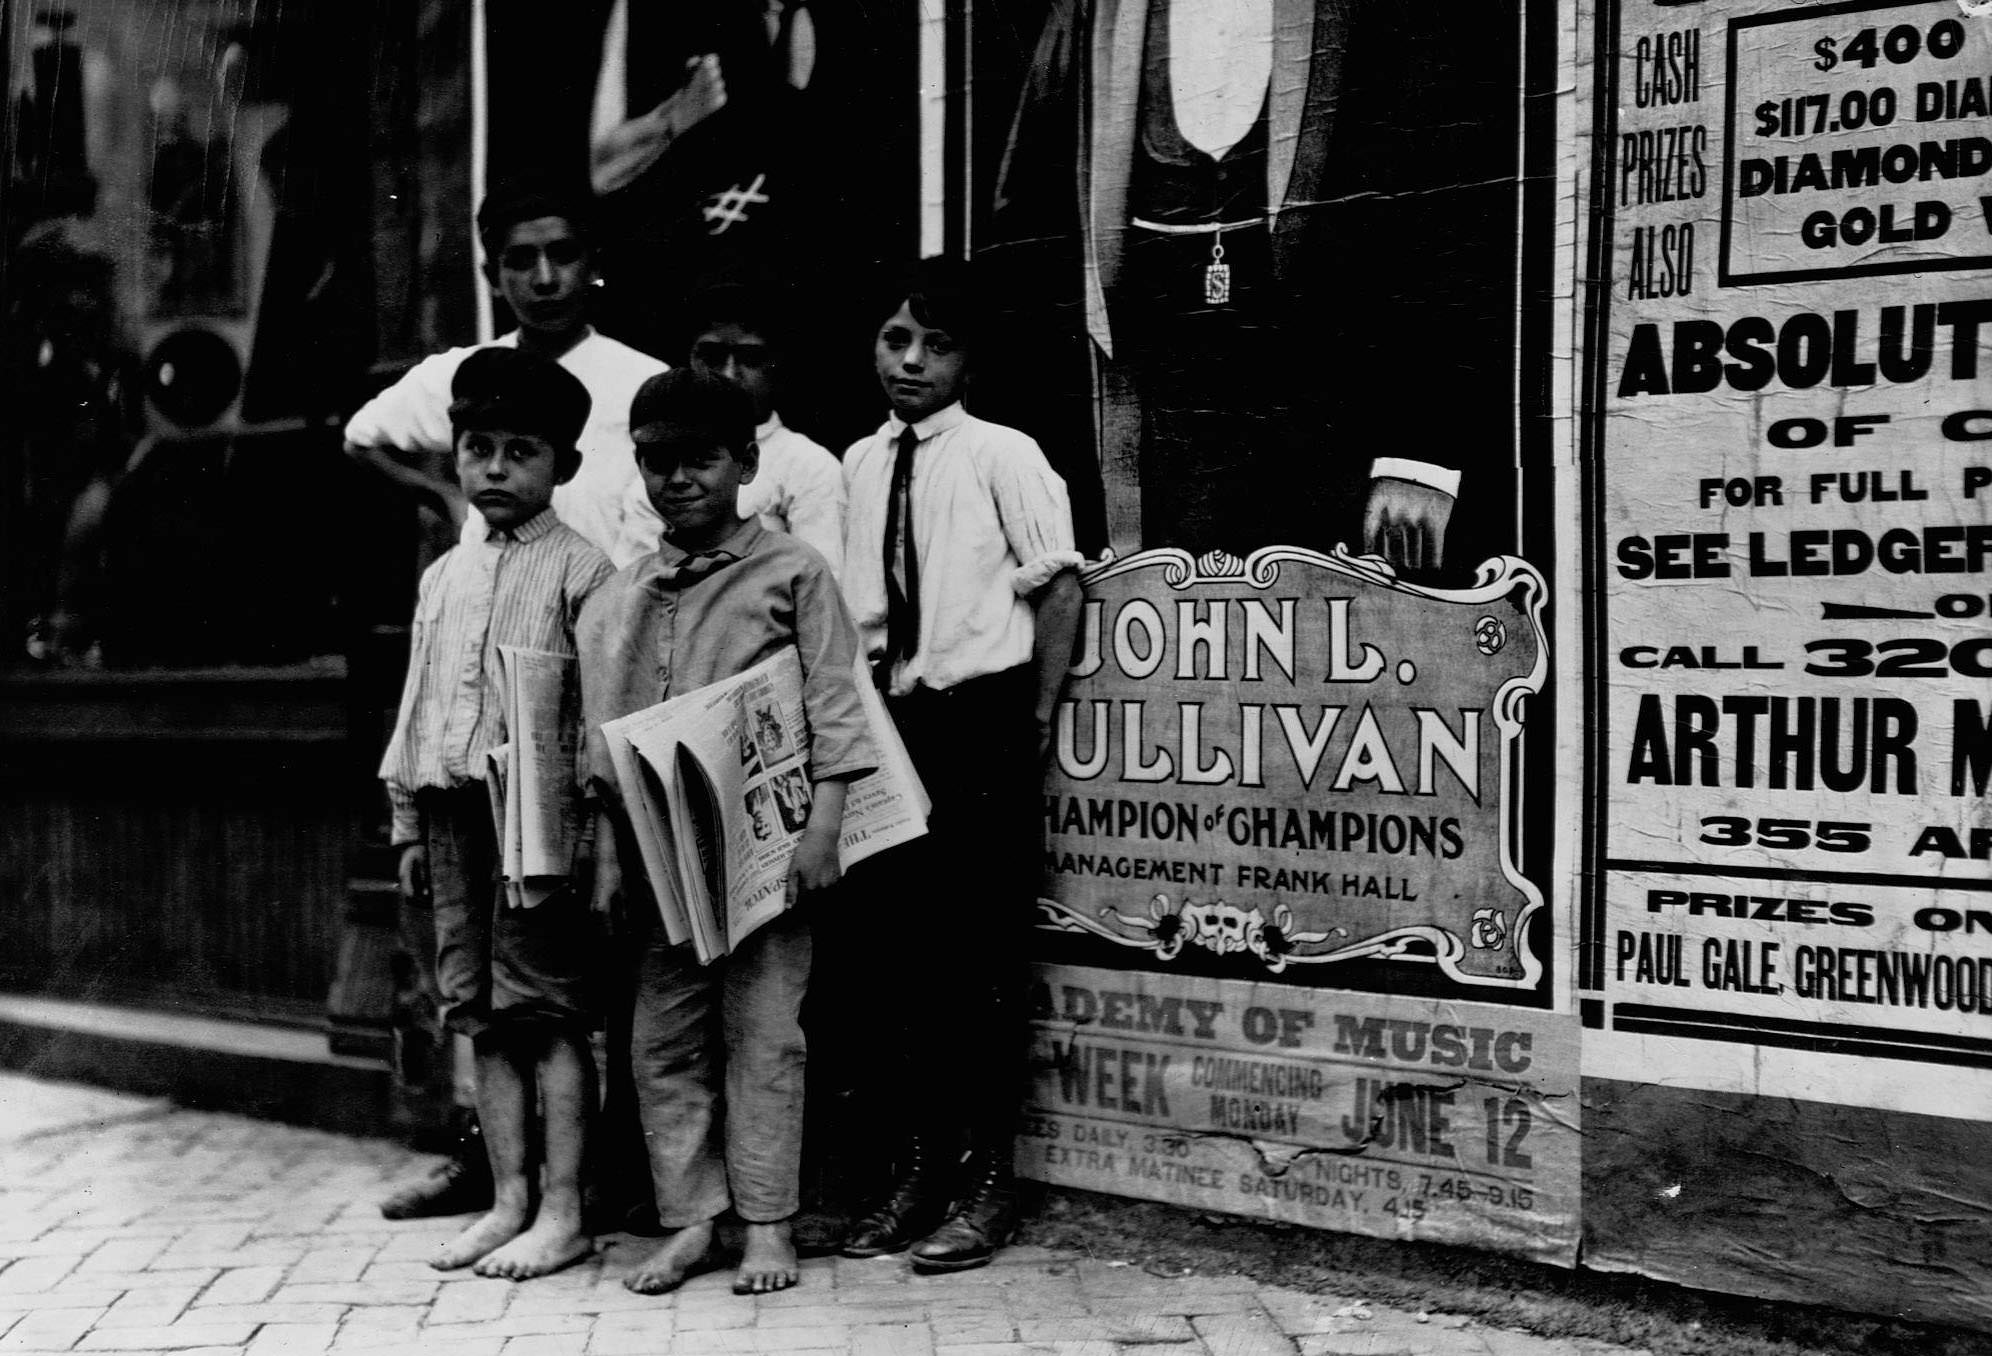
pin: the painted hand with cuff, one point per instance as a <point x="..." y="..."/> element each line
<point x="1405" y="521"/>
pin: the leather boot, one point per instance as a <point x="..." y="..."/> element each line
<point x="459" y="1185"/>
<point x="981" y="1220"/>
<point x="915" y="1205"/>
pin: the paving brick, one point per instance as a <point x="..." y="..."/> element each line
<point x="1166" y="1301"/>
<point x="893" y="1339"/>
<point x="630" y="1342"/>
<point x="333" y="1265"/>
<point x="1370" y="1344"/>
<point x="67" y="1297"/>
<point x="250" y="1255"/>
<point x="50" y="1245"/>
<point x="293" y="1339"/>
<point x="724" y="1341"/>
<point x="515" y="1325"/>
<point x="595" y="1299"/>
<point x="1242" y="1335"/>
<point x="123" y="1254"/>
<point x="199" y="1278"/>
<point x="425" y="1345"/>
<point x="476" y="1301"/>
<point x="50" y="1329"/>
<point x="211" y="1237"/>
<point x="172" y="1337"/>
<point x="356" y="1293"/>
<point x="549" y="1344"/>
<point x="37" y="1273"/>
<point x="1504" y="1342"/>
<point x="659" y="1319"/>
<point x="153" y="1308"/>
<point x="416" y="1241"/>
<point x="367" y="1336"/>
<point x="244" y="1285"/>
<point x="957" y="1329"/>
<point x="714" y="1317"/>
<point x="1107" y="1328"/>
<point x="413" y="1272"/>
<point x="266" y="1313"/>
<point x="770" y="1315"/>
<point x="385" y="1323"/>
<point x="882" y="1315"/>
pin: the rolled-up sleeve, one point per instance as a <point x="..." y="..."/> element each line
<point x="1036" y="515"/>
<point x="412" y="415"/>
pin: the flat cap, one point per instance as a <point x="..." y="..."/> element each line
<point x="522" y="392"/>
<point x="685" y="403"/>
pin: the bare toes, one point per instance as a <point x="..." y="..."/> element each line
<point x="652" y="1283"/>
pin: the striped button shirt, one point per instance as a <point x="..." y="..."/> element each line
<point x="524" y="588"/>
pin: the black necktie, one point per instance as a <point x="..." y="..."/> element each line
<point x="902" y="599"/>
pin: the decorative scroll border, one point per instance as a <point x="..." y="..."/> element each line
<point x="1170" y="925"/>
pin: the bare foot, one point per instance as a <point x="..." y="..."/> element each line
<point x="678" y="1257"/>
<point x="489" y="1233"/>
<point x="552" y="1243"/>
<point x="768" y="1262"/>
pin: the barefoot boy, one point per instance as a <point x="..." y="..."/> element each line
<point x="510" y="979"/>
<point x="719" y="1042"/>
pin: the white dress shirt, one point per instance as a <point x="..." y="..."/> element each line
<point x="413" y="415"/>
<point x="992" y="525"/>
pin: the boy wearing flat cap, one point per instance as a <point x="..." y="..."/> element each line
<point x="511" y="979"/>
<point x="718" y="1049"/>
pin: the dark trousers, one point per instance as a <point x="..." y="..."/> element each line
<point x="930" y="943"/>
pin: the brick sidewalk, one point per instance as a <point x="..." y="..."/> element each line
<point x="128" y="1225"/>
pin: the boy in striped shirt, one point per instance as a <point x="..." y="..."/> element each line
<point x="511" y="979"/>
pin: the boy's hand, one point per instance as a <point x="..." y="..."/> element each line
<point x="816" y="866"/>
<point x="413" y="871"/>
<point x="1406" y="522"/>
<point x="605" y="898"/>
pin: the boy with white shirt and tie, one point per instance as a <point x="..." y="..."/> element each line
<point x="960" y="570"/>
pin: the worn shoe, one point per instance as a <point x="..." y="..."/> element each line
<point x="978" y="1225"/>
<point x="916" y="1204"/>
<point x="456" y="1186"/>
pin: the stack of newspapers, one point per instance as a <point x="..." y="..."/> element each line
<point x="535" y="803"/>
<point x="716" y="783"/>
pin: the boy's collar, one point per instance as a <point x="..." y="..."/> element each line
<point x="769" y="427"/>
<point x="940" y="421"/>
<point x="532" y="529"/>
<point x="510" y="339"/>
<point x="739" y="542"/>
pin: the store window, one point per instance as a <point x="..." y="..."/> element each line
<point x="186" y="281"/>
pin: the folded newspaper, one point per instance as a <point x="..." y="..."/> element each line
<point x="717" y="790"/>
<point x="535" y="805"/>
